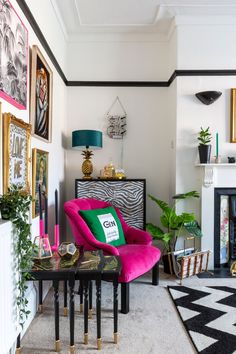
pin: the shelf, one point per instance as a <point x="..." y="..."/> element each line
<point x="215" y="164"/>
<point x="209" y="175"/>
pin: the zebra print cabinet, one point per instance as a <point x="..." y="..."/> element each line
<point x="129" y="195"/>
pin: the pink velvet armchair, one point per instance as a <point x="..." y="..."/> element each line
<point x="137" y="256"/>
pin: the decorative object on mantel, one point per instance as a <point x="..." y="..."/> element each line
<point x="217" y="157"/>
<point x="116" y="122"/>
<point x="231" y="159"/>
<point x="85" y="139"/>
<point x="204" y="147"/>
<point x="208" y="97"/>
<point x="174" y="224"/>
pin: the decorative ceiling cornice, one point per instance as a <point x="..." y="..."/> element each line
<point x="24" y="7"/>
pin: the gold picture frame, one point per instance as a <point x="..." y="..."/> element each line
<point x="233" y="116"/>
<point x="39" y="176"/>
<point x="41" y="96"/>
<point x="16" y="152"/>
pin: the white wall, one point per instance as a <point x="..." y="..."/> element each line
<point x="191" y="115"/>
<point x="56" y="179"/>
<point x="146" y="145"/>
<point x="46" y="17"/>
<point x="206" y="46"/>
<point x="120" y="60"/>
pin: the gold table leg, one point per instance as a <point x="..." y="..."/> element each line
<point x="57" y="346"/>
<point x="72" y="349"/>
<point x="116" y="337"/>
<point x="65" y="311"/>
<point x="85" y="338"/>
<point x="81" y="308"/>
<point x="99" y="343"/>
<point x="90" y="315"/>
<point x="40" y="308"/>
<point x="18" y="350"/>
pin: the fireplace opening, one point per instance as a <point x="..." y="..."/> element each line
<point x="225" y="227"/>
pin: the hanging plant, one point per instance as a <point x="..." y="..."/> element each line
<point x="15" y="206"/>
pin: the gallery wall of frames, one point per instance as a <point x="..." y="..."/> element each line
<point x="26" y="85"/>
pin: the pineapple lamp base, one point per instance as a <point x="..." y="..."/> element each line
<point x="85" y="139"/>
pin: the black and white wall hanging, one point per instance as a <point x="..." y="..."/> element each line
<point x="116" y="128"/>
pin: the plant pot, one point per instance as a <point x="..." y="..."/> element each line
<point x="168" y="263"/>
<point x="204" y="153"/>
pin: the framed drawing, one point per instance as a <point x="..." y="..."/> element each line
<point x="233" y="116"/>
<point x="13" y="56"/>
<point x="41" y="96"/>
<point x="39" y="177"/>
<point x="16" y="147"/>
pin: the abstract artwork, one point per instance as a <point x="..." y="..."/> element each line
<point x="13" y="56"/>
<point x="16" y="145"/>
<point x="41" y="96"/>
<point x="39" y="177"/>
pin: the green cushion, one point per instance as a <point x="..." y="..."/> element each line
<point x="105" y="225"/>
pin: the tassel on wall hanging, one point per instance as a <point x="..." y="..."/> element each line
<point x="116" y="122"/>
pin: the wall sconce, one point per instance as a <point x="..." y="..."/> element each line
<point x="85" y="139"/>
<point x="208" y="97"/>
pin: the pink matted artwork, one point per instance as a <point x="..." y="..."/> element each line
<point x="13" y="56"/>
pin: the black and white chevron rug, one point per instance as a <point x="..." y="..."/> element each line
<point x="209" y="316"/>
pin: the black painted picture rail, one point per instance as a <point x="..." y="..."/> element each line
<point x="28" y="14"/>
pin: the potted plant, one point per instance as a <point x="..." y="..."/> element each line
<point x="204" y="147"/>
<point x="173" y="225"/>
<point x="15" y="206"/>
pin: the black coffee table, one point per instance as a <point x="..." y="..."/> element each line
<point x="91" y="265"/>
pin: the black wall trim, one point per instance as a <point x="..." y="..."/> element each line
<point x="28" y="14"/>
<point x="24" y="7"/>
<point x="119" y="83"/>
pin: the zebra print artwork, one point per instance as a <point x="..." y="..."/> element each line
<point x="127" y="195"/>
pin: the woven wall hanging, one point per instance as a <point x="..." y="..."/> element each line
<point x="116" y="122"/>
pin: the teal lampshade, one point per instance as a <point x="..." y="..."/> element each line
<point x="82" y="139"/>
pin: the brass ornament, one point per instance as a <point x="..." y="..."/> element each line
<point x="233" y="269"/>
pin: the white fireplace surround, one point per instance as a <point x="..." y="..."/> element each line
<point x="214" y="176"/>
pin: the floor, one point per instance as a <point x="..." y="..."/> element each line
<point x="152" y="325"/>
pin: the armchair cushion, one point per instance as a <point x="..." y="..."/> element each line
<point x="105" y="225"/>
<point x="137" y="260"/>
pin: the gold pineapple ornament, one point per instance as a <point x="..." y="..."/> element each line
<point x="87" y="166"/>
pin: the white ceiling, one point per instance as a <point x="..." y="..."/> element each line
<point x="131" y="16"/>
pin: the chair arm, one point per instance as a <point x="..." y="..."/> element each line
<point x="138" y="236"/>
<point x="108" y="249"/>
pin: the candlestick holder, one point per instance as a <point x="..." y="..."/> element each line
<point x="218" y="159"/>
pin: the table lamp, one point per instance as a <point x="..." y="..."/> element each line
<point x="85" y="139"/>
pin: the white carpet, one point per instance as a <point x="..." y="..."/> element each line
<point x="151" y="327"/>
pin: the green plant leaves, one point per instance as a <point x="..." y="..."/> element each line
<point x="204" y="136"/>
<point x="17" y="203"/>
<point x="193" y="228"/>
<point x="172" y="222"/>
<point x="191" y="194"/>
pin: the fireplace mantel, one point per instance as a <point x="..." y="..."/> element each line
<point x="209" y="171"/>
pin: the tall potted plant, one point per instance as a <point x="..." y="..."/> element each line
<point x="14" y="206"/>
<point x="204" y="148"/>
<point x="173" y="224"/>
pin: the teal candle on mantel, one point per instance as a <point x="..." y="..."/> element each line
<point x="217" y="144"/>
